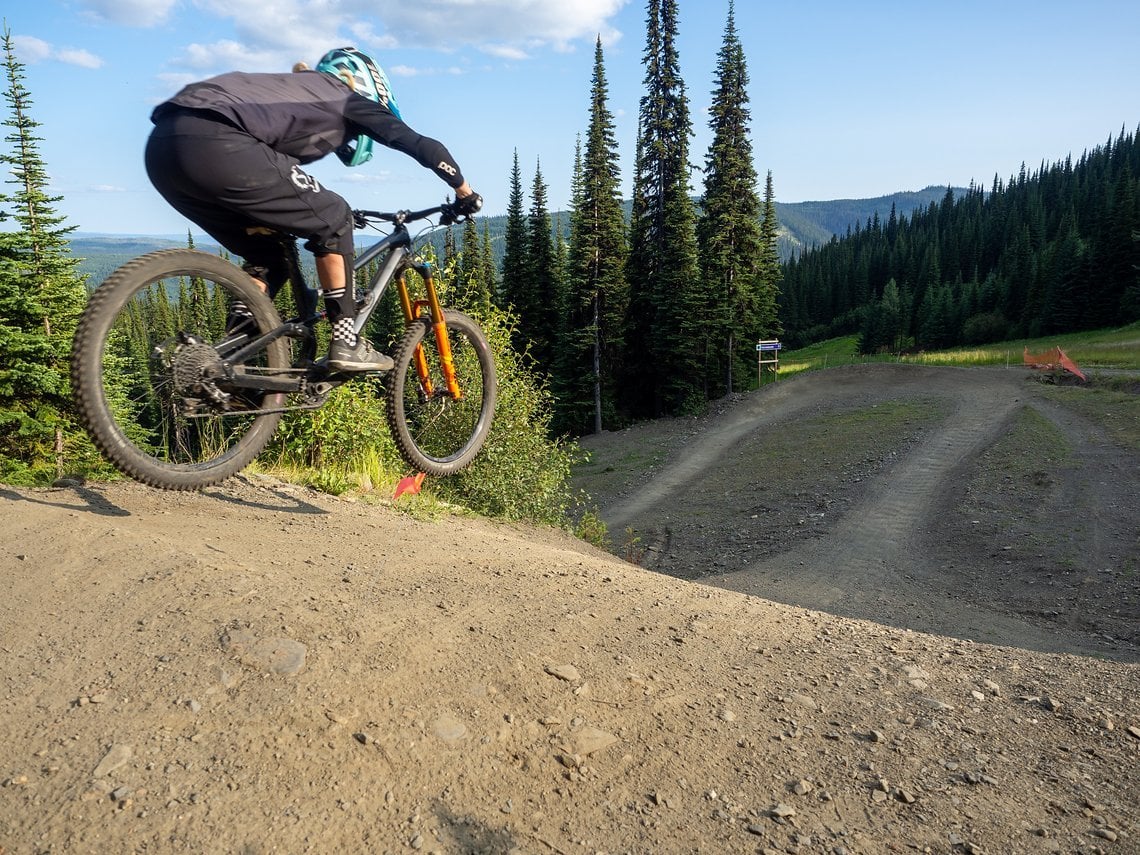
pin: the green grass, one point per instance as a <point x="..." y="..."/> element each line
<point x="1114" y="348"/>
<point x="1117" y="412"/>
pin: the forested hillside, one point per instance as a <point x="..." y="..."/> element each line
<point x="98" y="254"/>
<point x="1047" y="251"/>
<point x="803" y="225"/>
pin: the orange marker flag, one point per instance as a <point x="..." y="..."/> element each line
<point x="411" y="484"/>
<point x="1070" y="366"/>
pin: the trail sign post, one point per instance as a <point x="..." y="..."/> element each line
<point x="767" y="353"/>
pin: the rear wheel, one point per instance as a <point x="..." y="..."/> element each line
<point x="435" y="432"/>
<point x="148" y="374"/>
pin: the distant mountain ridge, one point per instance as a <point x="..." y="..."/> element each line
<point x="802" y="226"/>
<point x="807" y="224"/>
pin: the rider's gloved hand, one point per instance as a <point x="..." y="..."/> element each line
<point x="467" y="205"/>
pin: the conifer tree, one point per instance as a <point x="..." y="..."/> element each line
<point x="598" y="294"/>
<point x="470" y="260"/>
<point x="539" y="311"/>
<point x="450" y="250"/>
<point x="664" y="354"/>
<point x="769" y="273"/>
<point x="728" y="231"/>
<point x="513" y="281"/>
<point x="41" y="295"/>
<point x="472" y="291"/>
<point x="487" y="260"/>
<point x="559" y="294"/>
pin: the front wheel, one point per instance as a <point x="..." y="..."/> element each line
<point x="436" y="432"/>
<point x="149" y="375"/>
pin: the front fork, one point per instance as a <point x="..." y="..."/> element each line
<point x="414" y="310"/>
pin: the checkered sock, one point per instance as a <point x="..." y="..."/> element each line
<point x="342" y="331"/>
<point x="342" y="314"/>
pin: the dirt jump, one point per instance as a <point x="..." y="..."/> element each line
<point x="870" y="610"/>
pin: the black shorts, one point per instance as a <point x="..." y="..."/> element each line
<point x="241" y="192"/>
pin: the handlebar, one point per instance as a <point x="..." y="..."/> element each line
<point x="446" y="211"/>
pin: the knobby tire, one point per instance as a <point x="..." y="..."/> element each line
<point x="125" y="403"/>
<point x="436" y="434"/>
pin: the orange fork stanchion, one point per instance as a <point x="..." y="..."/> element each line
<point x="443" y="342"/>
<point x="411" y="312"/>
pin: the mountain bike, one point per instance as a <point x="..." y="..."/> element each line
<point x="182" y="367"/>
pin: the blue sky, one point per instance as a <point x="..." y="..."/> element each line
<point x="848" y="99"/>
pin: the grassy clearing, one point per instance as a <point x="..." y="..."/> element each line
<point x="1117" y="349"/>
<point x="1117" y="412"/>
<point x="823" y="451"/>
<point x="605" y="464"/>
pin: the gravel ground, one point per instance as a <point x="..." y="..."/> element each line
<point x="828" y="661"/>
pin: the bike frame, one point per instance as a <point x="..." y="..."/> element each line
<point x="396" y="248"/>
<point x="397" y="265"/>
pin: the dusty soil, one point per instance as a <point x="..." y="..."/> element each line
<point x="891" y="609"/>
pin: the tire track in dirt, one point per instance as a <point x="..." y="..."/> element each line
<point x="1092" y="517"/>
<point x="779" y="403"/>
<point x="872" y="563"/>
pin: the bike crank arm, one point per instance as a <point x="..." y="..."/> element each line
<point x="261" y="342"/>
<point x="265" y="382"/>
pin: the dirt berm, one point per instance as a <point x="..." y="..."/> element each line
<point x="891" y="609"/>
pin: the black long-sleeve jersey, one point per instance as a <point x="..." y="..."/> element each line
<point x="307" y="115"/>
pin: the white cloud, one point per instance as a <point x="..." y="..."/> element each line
<point x="281" y="32"/>
<point x="270" y="35"/>
<point x="30" y="50"/>
<point x="80" y="57"/>
<point x="107" y="188"/>
<point x="509" y="52"/>
<point x="371" y="177"/>
<point x="523" y="25"/>
<point x="226" y="55"/>
<point x="411" y="71"/>
<point x="173" y="82"/>
<point x="132" y="13"/>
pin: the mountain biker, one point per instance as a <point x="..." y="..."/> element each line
<point x="227" y="152"/>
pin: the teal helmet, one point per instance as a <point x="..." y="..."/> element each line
<point x="365" y="76"/>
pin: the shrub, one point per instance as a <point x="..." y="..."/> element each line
<point x="522" y="474"/>
<point x="348" y="435"/>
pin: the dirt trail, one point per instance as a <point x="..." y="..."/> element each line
<point x="884" y="557"/>
<point x="262" y="668"/>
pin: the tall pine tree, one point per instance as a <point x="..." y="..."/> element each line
<point x="665" y="334"/>
<point x="598" y="293"/>
<point x="513" y="290"/>
<point x="766" y="314"/>
<point x="41" y="295"/>
<point x="728" y="231"/>
<point x="473" y="291"/>
<point x="539" y="313"/>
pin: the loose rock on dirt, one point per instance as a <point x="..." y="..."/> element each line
<point x="701" y="715"/>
